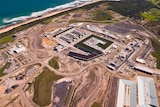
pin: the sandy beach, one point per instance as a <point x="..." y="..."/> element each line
<point x="43" y="16"/>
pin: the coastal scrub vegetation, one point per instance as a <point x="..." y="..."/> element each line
<point x="96" y="104"/>
<point x="152" y="15"/>
<point x="43" y="87"/>
<point x="2" y="69"/>
<point x="90" y="6"/>
<point x="6" y="39"/>
<point x="101" y="16"/>
<point x="47" y="21"/>
<point x="156" y="53"/>
<point x="156" y="2"/>
<point x="130" y="8"/>
<point x="54" y="63"/>
<point x="73" y="21"/>
<point x="92" y="21"/>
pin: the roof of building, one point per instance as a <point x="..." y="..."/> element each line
<point x="16" y="49"/>
<point x="140" y="60"/>
<point x="147" y="95"/>
<point x="126" y="93"/>
<point x="85" y="57"/>
<point x="143" y="68"/>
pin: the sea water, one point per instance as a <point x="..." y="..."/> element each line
<point x="18" y="10"/>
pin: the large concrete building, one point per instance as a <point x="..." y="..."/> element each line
<point x="147" y="95"/>
<point x="16" y="49"/>
<point x="86" y="57"/>
<point x="143" y="69"/>
<point x="126" y="94"/>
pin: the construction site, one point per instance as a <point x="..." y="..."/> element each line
<point x="81" y="63"/>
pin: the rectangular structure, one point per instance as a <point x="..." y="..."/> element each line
<point x="126" y="93"/>
<point x="147" y="95"/>
<point x="85" y="57"/>
<point x="93" y="45"/>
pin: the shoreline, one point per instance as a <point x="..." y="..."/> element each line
<point x="52" y="13"/>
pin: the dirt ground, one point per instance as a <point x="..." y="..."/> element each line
<point x="92" y="87"/>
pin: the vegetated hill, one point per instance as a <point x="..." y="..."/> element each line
<point x="156" y="2"/>
<point x="152" y="14"/>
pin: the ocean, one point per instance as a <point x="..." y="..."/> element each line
<point x="19" y="10"/>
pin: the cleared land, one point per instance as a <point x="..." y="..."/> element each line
<point x="91" y="88"/>
<point x="62" y="91"/>
<point x="43" y="87"/>
<point x="112" y="92"/>
<point x="54" y="63"/>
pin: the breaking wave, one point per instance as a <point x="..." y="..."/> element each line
<point x="40" y="13"/>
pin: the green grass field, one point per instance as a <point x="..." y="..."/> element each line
<point x="6" y="39"/>
<point x="101" y="16"/>
<point x="156" y="53"/>
<point x="108" y="43"/>
<point x="95" y="104"/>
<point x="152" y="15"/>
<point x="156" y="2"/>
<point x="47" y="21"/>
<point x="43" y="87"/>
<point x="54" y="63"/>
<point x="92" y="21"/>
<point x="2" y="69"/>
<point x="105" y="45"/>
